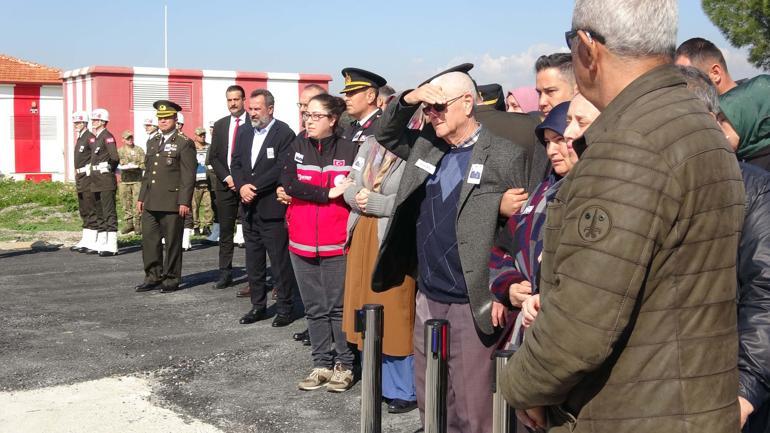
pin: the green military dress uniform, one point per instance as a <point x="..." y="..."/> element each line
<point x="131" y="166"/>
<point x="168" y="182"/>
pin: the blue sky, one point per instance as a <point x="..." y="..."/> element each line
<point x="405" y="41"/>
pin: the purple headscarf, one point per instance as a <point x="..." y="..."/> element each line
<point x="526" y="97"/>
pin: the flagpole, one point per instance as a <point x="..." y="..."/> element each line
<point x="165" y="36"/>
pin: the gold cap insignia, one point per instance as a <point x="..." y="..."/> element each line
<point x="348" y="79"/>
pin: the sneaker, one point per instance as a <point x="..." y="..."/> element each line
<point x="341" y="380"/>
<point x="316" y="379"/>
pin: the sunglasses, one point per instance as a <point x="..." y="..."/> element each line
<point x="440" y="108"/>
<point x="590" y="34"/>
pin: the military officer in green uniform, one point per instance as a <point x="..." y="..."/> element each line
<point x="104" y="161"/>
<point x="360" y="94"/>
<point x="131" y="166"/>
<point x="86" y="202"/>
<point x="164" y="200"/>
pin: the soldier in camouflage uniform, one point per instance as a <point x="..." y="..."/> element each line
<point x="131" y="166"/>
<point x="201" y="201"/>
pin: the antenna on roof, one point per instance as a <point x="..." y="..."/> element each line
<point x="165" y="36"/>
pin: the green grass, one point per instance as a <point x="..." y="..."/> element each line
<point x="44" y="206"/>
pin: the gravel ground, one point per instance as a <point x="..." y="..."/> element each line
<point x="67" y="318"/>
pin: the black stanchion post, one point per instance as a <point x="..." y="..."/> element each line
<point x="503" y="417"/>
<point x="436" y="374"/>
<point x="369" y="322"/>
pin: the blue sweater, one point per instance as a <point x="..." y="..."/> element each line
<point x="441" y="276"/>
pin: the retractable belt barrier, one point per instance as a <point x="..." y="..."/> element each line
<point x="436" y="374"/>
<point x="503" y="417"/>
<point x="369" y="322"/>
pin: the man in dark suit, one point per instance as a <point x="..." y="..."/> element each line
<point x="445" y="220"/>
<point x="256" y="169"/>
<point x="164" y="200"/>
<point x="220" y="157"/>
<point x="517" y="128"/>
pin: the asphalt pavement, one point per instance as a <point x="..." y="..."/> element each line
<point x="68" y="318"/>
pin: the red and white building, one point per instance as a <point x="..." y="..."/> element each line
<point x="129" y="92"/>
<point x="31" y="121"/>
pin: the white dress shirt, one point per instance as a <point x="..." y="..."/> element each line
<point x="230" y="137"/>
<point x="259" y="140"/>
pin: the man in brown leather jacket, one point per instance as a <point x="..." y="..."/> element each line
<point x="637" y="329"/>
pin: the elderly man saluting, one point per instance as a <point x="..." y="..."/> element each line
<point x="637" y="327"/>
<point x="442" y="230"/>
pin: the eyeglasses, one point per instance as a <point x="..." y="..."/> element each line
<point x="590" y="34"/>
<point x="315" y="116"/>
<point x="440" y="108"/>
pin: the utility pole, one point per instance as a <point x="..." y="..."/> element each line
<point x="165" y="36"/>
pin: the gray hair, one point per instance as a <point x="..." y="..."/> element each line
<point x="269" y="98"/>
<point x="700" y="84"/>
<point x="630" y="28"/>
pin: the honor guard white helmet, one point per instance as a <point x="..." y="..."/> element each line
<point x="79" y="116"/>
<point x="151" y="121"/>
<point x="100" y="114"/>
<point x="180" y="118"/>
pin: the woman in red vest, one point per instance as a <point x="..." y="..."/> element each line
<point x="315" y="175"/>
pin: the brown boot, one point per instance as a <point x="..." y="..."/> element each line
<point x="244" y="292"/>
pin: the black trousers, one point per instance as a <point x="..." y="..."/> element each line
<point x="268" y="238"/>
<point x="157" y="225"/>
<point x="87" y="209"/>
<point x="227" y="209"/>
<point x="106" y="213"/>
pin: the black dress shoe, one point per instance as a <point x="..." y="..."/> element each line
<point x="281" y="320"/>
<point x="254" y="315"/>
<point x="225" y="280"/>
<point x="146" y="287"/>
<point x="107" y="253"/>
<point x="299" y="336"/>
<point x="90" y="251"/>
<point x="401" y="406"/>
<point x="169" y="288"/>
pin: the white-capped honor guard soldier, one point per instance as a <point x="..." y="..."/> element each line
<point x="150" y="127"/>
<point x="164" y="200"/>
<point x="104" y="161"/>
<point x="86" y="202"/>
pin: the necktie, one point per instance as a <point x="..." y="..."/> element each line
<point x="232" y="139"/>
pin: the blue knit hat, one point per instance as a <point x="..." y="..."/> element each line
<point x="556" y="121"/>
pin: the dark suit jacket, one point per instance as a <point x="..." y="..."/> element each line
<point x="169" y="175"/>
<point x="218" y="151"/>
<point x="518" y="128"/>
<point x="266" y="171"/>
<point x="505" y="166"/>
<point x="105" y="149"/>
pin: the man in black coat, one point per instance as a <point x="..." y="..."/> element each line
<point x="164" y="200"/>
<point x="220" y="157"/>
<point x="86" y="202"/>
<point x="256" y="170"/>
<point x="104" y="161"/>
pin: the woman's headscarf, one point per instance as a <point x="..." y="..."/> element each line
<point x="747" y="107"/>
<point x="526" y="97"/>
